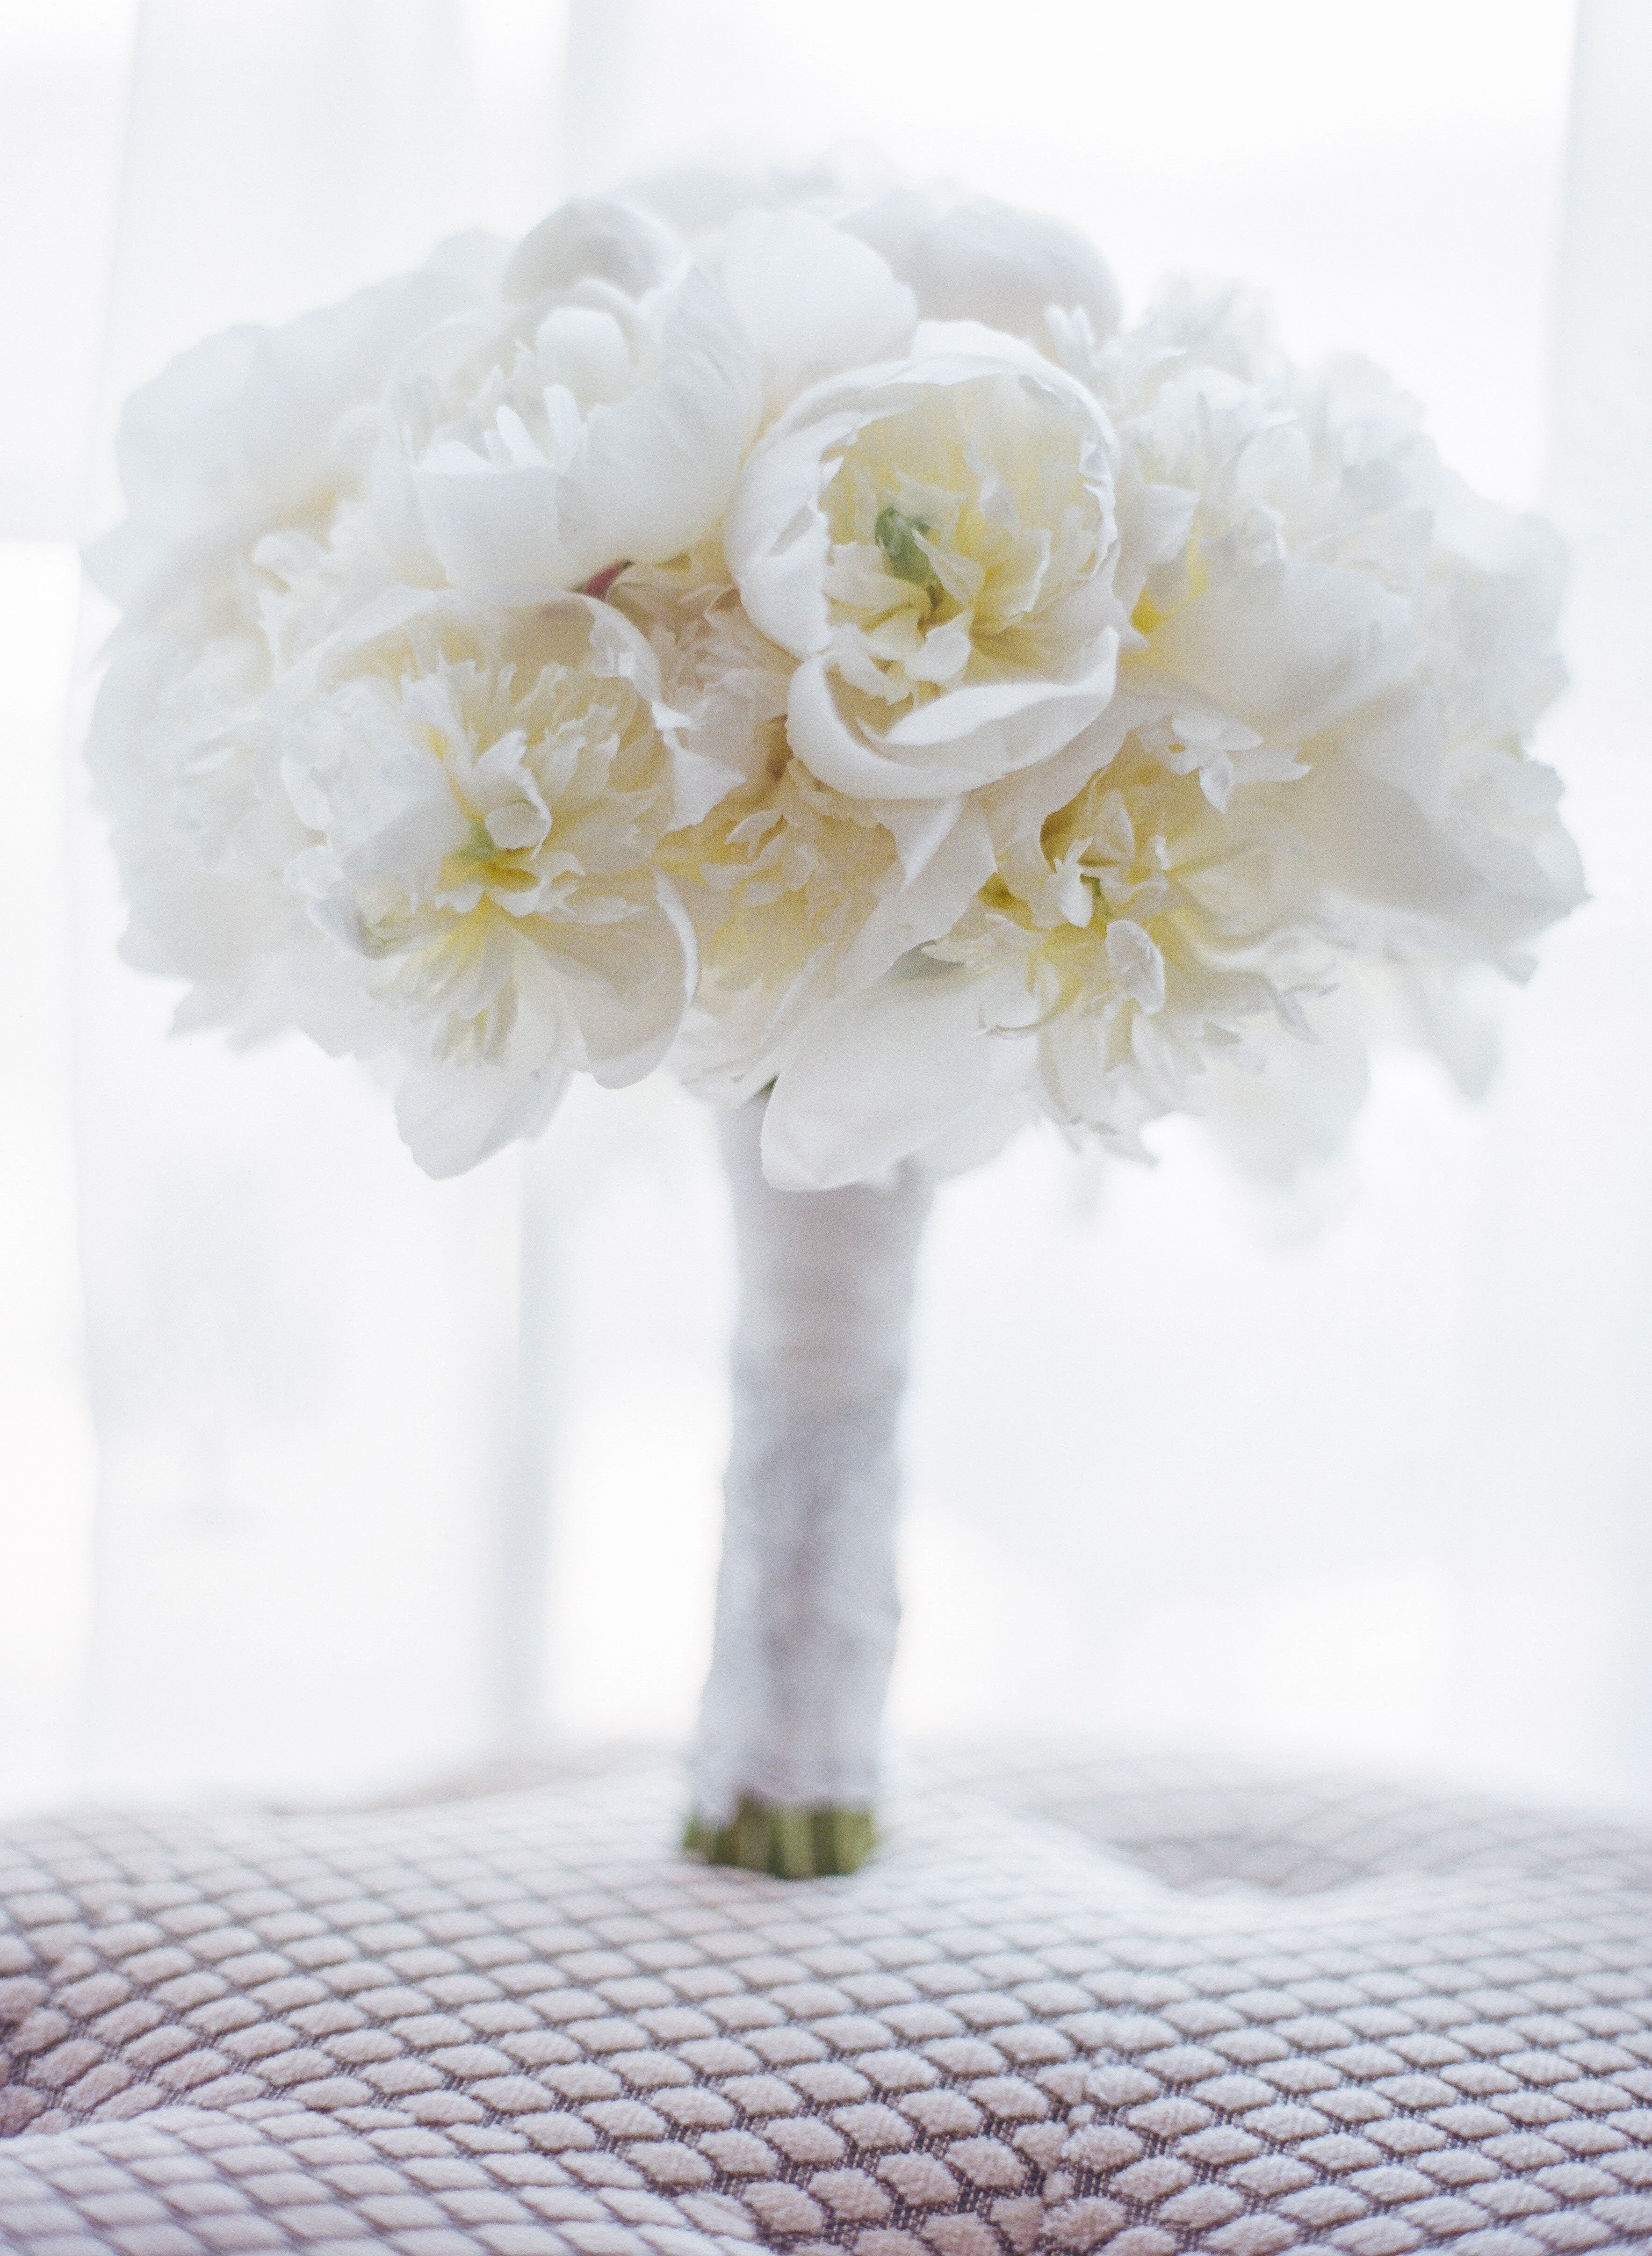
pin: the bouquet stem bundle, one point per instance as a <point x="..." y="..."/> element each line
<point x="807" y="1610"/>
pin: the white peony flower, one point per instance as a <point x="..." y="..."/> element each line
<point x="260" y="427"/>
<point x="933" y="541"/>
<point x="597" y="415"/>
<point x="988" y="713"/>
<point x="486" y="793"/>
<point x="1352" y="605"/>
<point x="241" y="464"/>
<point x="173" y="749"/>
<point x="184" y="751"/>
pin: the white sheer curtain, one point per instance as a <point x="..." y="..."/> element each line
<point x="1366" y="1478"/>
<point x="296" y="1561"/>
<point x="303" y="1357"/>
<point x="1585" y="1133"/>
<point x="62" y="100"/>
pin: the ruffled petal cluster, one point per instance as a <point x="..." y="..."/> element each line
<point x="791" y="633"/>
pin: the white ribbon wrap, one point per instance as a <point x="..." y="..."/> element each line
<point x="807" y="1601"/>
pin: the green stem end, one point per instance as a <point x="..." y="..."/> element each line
<point x="790" y="1842"/>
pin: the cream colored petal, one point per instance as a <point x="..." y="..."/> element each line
<point x="883" y="1075"/>
<point x="452" y="1117"/>
<point x="813" y="299"/>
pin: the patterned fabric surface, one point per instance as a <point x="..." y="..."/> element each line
<point x="1070" y="2004"/>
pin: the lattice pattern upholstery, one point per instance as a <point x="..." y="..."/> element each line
<point x="1072" y="2004"/>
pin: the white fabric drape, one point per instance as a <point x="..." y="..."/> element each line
<point x="1182" y="1465"/>
<point x="63" y="85"/>
<point x="62" y="99"/>
<point x="1583" y="1136"/>
<point x="318" y="1484"/>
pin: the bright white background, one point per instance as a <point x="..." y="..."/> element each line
<point x="332" y="1477"/>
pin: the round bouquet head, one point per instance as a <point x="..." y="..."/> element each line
<point x="796" y="637"/>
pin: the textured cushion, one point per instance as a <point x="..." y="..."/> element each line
<point x="1070" y="2003"/>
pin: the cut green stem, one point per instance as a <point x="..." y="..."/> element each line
<point x="792" y="1843"/>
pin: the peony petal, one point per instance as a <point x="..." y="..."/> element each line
<point x="1137" y="963"/>
<point x="956" y="743"/>
<point x="627" y="986"/>
<point x="776" y="537"/>
<point x="1399" y="741"/>
<point x="647" y="476"/>
<point x="811" y="299"/>
<point x="919" y="827"/>
<point x="929" y="904"/>
<point x="452" y="1117"/>
<point x="593" y="236"/>
<point x="1293" y="1109"/>
<point x="976" y="1136"/>
<point x="1371" y="841"/>
<point x="884" y="1074"/>
<point x="698" y="786"/>
<point x="238" y="432"/>
<point x="655" y="471"/>
<point x="984" y="261"/>
<point x="1290" y="647"/>
<point x="493" y="531"/>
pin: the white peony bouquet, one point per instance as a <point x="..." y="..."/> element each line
<point x="792" y="634"/>
<point x="800" y="639"/>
